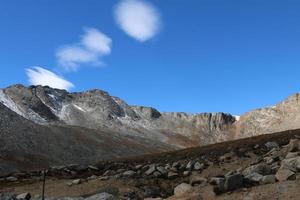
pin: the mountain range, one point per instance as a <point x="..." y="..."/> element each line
<point x="42" y="126"/>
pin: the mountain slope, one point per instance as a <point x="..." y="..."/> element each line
<point x="26" y="145"/>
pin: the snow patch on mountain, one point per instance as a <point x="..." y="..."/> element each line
<point x="79" y="108"/>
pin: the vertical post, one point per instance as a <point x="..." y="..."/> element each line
<point x="44" y="182"/>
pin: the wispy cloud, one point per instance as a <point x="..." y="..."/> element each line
<point x="88" y="51"/>
<point x="139" y="19"/>
<point x="41" y="76"/>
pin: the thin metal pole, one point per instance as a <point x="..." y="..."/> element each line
<point x="44" y="182"/>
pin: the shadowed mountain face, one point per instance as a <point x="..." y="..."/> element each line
<point x="42" y="126"/>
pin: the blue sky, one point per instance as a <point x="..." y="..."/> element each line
<point x="197" y="56"/>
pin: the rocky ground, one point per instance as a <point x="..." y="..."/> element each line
<point x="263" y="167"/>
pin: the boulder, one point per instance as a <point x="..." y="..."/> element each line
<point x="285" y="174"/>
<point x="182" y="188"/>
<point x="292" y="164"/>
<point x="101" y="196"/>
<point x="233" y="182"/>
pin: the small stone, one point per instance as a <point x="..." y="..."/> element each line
<point x="198" y="166"/>
<point x="76" y="181"/>
<point x="119" y="171"/>
<point x="268" y="179"/>
<point x="162" y="170"/>
<point x="197" y="179"/>
<point x="24" y="196"/>
<point x="226" y="157"/>
<point x="182" y="188"/>
<point x="151" y="169"/>
<point x="108" y="173"/>
<point x="103" y="178"/>
<point x="189" y="165"/>
<point x="172" y="175"/>
<point x="157" y="174"/>
<point x="186" y="173"/>
<point x="137" y="167"/>
<point x="129" y="173"/>
<point x="271" y="145"/>
<point x="11" y="178"/>
<point x="93" y="177"/>
<point x="92" y="167"/>
<point x="176" y="165"/>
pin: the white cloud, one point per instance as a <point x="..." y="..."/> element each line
<point x="89" y="51"/>
<point x="139" y="19"/>
<point x="41" y="76"/>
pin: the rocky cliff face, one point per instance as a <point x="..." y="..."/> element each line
<point x="96" y="109"/>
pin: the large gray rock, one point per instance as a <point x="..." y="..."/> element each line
<point x="261" y="168"/>
<point x="101" y="196"/>
<point x="292" y="164"/>
<point x="254" y="177"/>
<point x="233" y="182"/>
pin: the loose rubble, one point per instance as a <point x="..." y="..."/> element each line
<point x="160" y="180"/>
